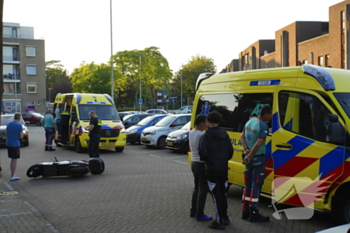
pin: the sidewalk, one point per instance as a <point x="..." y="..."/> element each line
<point x="18" y="215"/>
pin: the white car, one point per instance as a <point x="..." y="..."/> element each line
<point x="184" y="109"/>
<point x="156" y="135"/>
<point x="156" y="111"/>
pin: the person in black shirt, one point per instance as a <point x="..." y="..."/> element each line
<point x="94" y="133"/>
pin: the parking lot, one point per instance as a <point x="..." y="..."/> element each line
<point x="142" y="190"/>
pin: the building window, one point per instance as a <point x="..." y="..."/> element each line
<point x="31" y="70"/>
<point x="31" y="87"/>
<point x="320" y="60"/>
<point x="10" y="72"/>
<point x="30" y="51"/>
<point x="12" y="88"/>
<point x="9" y="32"/>
<point x="9" y="53"/>
<point x="342" y="16"/>
<point x="327" y="61"/>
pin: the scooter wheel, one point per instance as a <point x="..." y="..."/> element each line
<point x="97" y="166"/>
<point x="35" y="171"/>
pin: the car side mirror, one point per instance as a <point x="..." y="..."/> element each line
<point x="126" y="123"/>
<point x="173" y="125"/>
<point x="336" y="131"/>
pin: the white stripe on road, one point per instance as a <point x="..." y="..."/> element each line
<point x="180" y="162"/>
<point x="155" y="156"/>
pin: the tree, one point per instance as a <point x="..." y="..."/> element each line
<point x="190" y="72"/>
<point x="149" y="65"/>
<point x="55" y="74"/>
<point x="62" y="86"/>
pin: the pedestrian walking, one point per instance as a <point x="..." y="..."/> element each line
<point x="65" y="116"/>
<point x="253" y="142"/>
<point x="94" y="134"/>
<point x="216" y="150"/>
<point x="14" y="134"/>
<point x="199" y="195"/>
<point x="58" y="112"/>
<point x="49" y="125"/>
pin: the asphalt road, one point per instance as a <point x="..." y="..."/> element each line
<point x="141" y="190"/>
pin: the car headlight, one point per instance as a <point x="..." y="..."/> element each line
<point x="132" y="131"/>
<point x="153" y="132"/>
<point x="184" y="136"/>
<point x="25" y="129"/>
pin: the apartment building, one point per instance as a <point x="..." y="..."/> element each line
<point x="23" y="70"/>
<point x="319" y="43"/>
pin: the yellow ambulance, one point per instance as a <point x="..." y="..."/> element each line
<point x="80" y="104"/>
<point x="308" y="146"/>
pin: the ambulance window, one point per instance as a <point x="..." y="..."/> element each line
<point x="303" y="114"/>
<point x="236" y="109"/>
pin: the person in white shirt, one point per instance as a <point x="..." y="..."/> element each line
<point x="201" y="189"/>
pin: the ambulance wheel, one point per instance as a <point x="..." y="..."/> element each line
<point x="78" y="147"/>
<point x="161" y="142"/>
<point x="119" y="149"/>
<point x="97" y="166"/>
<point x="343" y="208"/>
<point x="35" y="171"/>
<point x="78" y="170"/>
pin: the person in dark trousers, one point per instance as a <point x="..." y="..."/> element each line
<point x="94" y="133"/>
<point x="58" y="112"/>
<point x="216" y="150"/>
<point x="253" y="142"/>
<point x="65" y="116"/>
<point x="14" y="133"/>
<point x="48" y="122"/>
<point x="200" y="190"/>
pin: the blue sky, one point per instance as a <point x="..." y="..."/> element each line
<point x="79" y="30"/>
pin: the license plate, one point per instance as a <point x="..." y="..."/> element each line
<point x="170" y="143"/>
<point x="144" y="139"/>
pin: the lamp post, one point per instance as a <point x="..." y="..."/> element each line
<point x="112" y="70"/>
<point x="181" y="89"/>
<point x="140" y="100"/>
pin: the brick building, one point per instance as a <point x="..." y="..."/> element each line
<point x="23" y="70"/>
<point x="318" y="43"/>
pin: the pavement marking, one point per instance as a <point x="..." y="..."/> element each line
<point x="9" y="186"/>
<point x="180" y="162"/>
<point x="179" y="156"/>
<point x="155" y="156"/>
<point x="14" y="214"/>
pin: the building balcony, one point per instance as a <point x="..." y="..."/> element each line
<point x="10" y="58"/>
<point x="11" y="77"/>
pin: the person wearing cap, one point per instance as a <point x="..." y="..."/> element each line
<point x="48" y="122"/>
<point x="14" y="133"/>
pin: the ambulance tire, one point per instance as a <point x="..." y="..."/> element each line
<point x="343" y="208"/>
<point x="78" y="147"/>
<point x="35" y="171"/>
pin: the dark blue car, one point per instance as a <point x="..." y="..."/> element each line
<point x="134" y="132"/>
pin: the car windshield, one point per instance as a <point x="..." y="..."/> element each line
<point x="5" y="119"/>
<point x="104" y="112"/>
<point x="145" y="121"/>
<point x="36" y="114"/>
<point x="165" y="121"/>
<point x="344" y="101"/>
<point x="127" y="117"/>
<point x="187" y="126"/>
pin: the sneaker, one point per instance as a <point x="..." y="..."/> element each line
<point x="226" y="221"/>
<point x="255" y="216"/>
<point x="15" y="178"/>
<point x="204" y="218"/>
<point x="216" y="225"/>
<point x="192" y="215"/>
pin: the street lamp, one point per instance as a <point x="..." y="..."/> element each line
<point x="181" y="89"/>
<point x="140" y="100"/>
<point x="112" y="70"/>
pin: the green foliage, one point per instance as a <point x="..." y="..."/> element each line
<point x="190" y="72"/>
<point x="56" y="79"/>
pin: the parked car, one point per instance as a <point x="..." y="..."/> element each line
<point x="178" y="139"/>
<point x="184" y="109"/>
<point x="5" y="119"/>
<point x="133" y="119"/>
<point x="32" y="118"/>
<point x="123" y="114"/>
<point x="156" y="111"/>
<point x="156" y="135"/>
<point x="133" y="134"/>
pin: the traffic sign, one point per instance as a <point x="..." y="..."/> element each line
<point x="140" y="101"/>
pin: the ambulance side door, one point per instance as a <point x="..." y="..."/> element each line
<point x="305" y="162"/>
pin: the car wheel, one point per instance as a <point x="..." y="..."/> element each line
<point x="35" y="171"/>
<point x="139" y="140"/>
<point x="119" y="149"/>
<point x="97" y="166"/>
<point x="78" y="147"/>
<point x="161" y="142"/>
<point x="186" y="147"/>
<point x="343" y="208"/>
<point x="38" y="123"/>
<point x="26" y="142"/>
